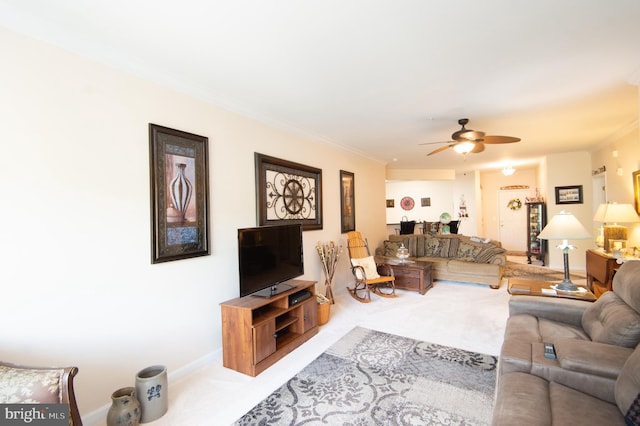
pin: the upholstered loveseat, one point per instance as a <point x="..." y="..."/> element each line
<point x="454" y="257"/>
<point x="595" y="377"/>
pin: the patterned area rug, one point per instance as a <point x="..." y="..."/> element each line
<point x="373" y="378"/>
<point x="539" y="273"/>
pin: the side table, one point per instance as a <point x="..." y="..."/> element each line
<point x="543" y="288"/>
<point x="411" y="275"/>
<point x="601" y="268"/>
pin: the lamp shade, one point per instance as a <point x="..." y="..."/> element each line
<point x="564" y="226"/>
<point x="616" y="213"/>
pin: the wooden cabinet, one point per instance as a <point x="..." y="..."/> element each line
<point x="536" y="220"/>
<point x="414" y="276"/>
<point x="600" y="271"/>
<point x="257" y="331"/>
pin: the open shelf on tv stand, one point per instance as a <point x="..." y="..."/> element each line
<point x="257" y="332"/>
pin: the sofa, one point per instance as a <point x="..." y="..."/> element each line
<point x="594" y="378"/>
<point x="454" y="257"/>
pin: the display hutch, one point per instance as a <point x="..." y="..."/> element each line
<point x="258" y="331"/>
<point x="536" y="220"/>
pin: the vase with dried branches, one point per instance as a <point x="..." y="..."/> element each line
<point x="329" y="254"/>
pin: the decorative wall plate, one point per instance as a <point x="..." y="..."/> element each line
<point x="407" y="203"/>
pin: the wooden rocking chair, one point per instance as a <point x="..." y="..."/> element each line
<point x="366" y="271"/>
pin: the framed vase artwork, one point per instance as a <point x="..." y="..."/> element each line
<point x="288" y="192"/>
<point x="347" y="202"/>
<point x="179" y="194"/>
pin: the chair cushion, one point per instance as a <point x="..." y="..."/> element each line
<point x="369" y="266"/>
<point x="25" y="385"/>
<point x="625" y="283"/>
<point x="610" y="320"/>
<point x="627" y="388"/>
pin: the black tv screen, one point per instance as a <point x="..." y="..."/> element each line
<point x="268" y="256"/>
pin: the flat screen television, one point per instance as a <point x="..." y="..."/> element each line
<point x="268" y="256"/>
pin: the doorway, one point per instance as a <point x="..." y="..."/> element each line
<point x="512" y="218"/>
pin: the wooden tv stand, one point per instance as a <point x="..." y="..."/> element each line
<point x="257" y="332"/>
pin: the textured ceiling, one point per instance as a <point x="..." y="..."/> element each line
<point x="378" y="77"/>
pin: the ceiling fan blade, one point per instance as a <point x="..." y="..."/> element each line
<point x="467" y="135"/>
<point x="478" y="148"/>
<point x="433" y="143"/>
<point x="442" y="148"/>
<point x="500" y="139"/>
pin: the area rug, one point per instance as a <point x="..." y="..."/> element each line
<point x="374" y="378"/>
<point x="538" y="273"/>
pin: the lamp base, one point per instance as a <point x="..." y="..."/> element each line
<point x="566" y="285"/>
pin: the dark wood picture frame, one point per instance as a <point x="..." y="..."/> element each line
<point x="179" y="194"/>
<point x="636" y="190"/>
<point x="569" y="194"/>
<point x="287" y="192"/>
<point x="347" y="202"/>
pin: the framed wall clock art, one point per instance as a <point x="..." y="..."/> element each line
<point x="288" y="192"/>
<point x="407" y="203"/>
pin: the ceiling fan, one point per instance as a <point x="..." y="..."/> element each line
<point x="466" y="141"/>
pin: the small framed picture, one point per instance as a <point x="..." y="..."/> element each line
<point x="347" y="202"/>
<point x="391" y="204"/>
<point x="569" y="194"/>
<point x="636" y="190"/>
<point x="425" y="202"/>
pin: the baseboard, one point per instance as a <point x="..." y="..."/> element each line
<point x="98" y="417"/>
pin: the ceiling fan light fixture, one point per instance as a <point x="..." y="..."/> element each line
<point x="508" y="170"/>
<point x="464" y="147"/>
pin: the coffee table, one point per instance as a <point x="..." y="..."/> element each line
<point x="410" y="275"/>
<point x="543" y="288"/>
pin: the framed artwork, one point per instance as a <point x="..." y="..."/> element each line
<point x="569" y="194"/>
<point x="425" y="202"/>
<point x="636" y="189"/>
<point x="347" y="202"/>
<point x="407" y="203"/>
<point x="391" y="203"/>
<point x="179" y="194"/>
<point x="288" y="192"/>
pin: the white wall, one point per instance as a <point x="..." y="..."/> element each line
<point x="620" y="187"/>
<point x="578" y="174"/>
<point x="78" y="287"/>
<point x="440" y="193"/>
<point x="491" y="182"/>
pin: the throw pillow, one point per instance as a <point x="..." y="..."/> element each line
<point x="432" y="247"/>
<point x="391" y="248"/>
<point x="467" y="252"/>
<point x="488" y="253"/>
<point x="369" y="266"/>
<point x="633" y="413"/>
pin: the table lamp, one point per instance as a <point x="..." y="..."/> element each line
<point x="564" y="226"/>
<point x="611" y="215"/>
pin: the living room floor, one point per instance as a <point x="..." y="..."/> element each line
<point x="466" y="316"/>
